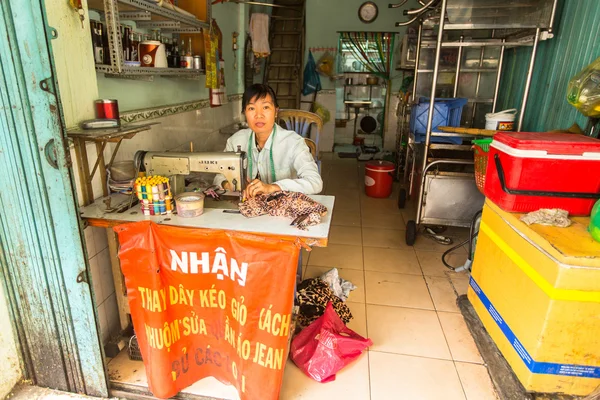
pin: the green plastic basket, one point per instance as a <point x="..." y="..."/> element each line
<point x="481" y="148"/>
<point x="483" y="143"/>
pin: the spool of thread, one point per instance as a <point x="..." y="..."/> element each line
<point x="161" y="190"/>
<point x="155" y="200"/>
<point x="168" y="204"/>
<point x="189" y="205"/>
<point x="145" y="208"/>
<point x="138" y="191"/>
<point x="143" y="189"/>
<point x="148" y="191"/>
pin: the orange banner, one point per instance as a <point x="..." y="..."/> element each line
<point x="209" y="303"/>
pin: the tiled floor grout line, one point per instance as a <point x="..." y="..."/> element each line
<point x="362" y="248"/>
<point x="413" y="355"/>
<point x="437" y="315"/>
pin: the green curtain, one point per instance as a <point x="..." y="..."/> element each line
<point x="373" y="50"/>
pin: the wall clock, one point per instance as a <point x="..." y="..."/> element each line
<point x="367" y="12"/>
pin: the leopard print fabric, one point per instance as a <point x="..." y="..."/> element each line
<point x="303" y="210"/>
<point x="312" y="296"/>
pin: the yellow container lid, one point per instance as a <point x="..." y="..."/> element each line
<point x="571" y="246"/>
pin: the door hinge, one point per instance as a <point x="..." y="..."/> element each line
<point x="46" y="85"/>
<point x="82" y="277"/>
<point x="53" y="32"/>
<point x="52" y="157"/>
<point x="50" y="153"/>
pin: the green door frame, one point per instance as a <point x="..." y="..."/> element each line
<point x="43" y="264"/>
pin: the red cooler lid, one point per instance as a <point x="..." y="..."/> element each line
<point x="379" y="165"/>
<point x="553" y="143"/>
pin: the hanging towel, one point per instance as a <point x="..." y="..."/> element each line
<point x="312" y="82"/>
<point x="259" y="32"/>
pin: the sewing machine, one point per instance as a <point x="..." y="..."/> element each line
<point x="178" y="165"/>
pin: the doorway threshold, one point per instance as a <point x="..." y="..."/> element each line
<point x="128" y="380"/>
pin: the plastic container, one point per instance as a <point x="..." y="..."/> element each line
<point x="189" y="205"/>
<point x="481" y="148"/>
<point x="379" y="177"/>
<point x="536" y="290"/>
<point x="540" y="169"/>
<point x="501" y="121"/>
<point x="447" y="112"/>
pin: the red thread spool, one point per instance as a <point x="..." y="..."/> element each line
<point x="107" y="109"/>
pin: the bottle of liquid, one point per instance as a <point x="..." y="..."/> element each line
<point x="97" y="42"/>
<point x="168" y="49"/>
<point x="135" y="42"/>
<point x="126" y="43"/>
<point x="189" y="59"/>
<point x="174" y="60"/>
<point x="106" y="51"/>
<point x="182" y="61"/>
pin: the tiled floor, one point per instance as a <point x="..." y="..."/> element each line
<point x="405" y="302"/>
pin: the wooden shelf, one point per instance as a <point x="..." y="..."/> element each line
<point x="110" y="134"/>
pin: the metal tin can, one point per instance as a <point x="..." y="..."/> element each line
<point x="197" y="62"/>
<point x="107" y="109"/>
<point x="188" y="62"/>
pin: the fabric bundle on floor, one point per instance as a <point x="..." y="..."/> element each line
<point x="303" y="210"/>
<point x="259" y="32"/>
<point x="340" y="287"/>
<point x="312" y="296"/>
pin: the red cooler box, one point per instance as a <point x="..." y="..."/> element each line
<point x="531" y="170"/>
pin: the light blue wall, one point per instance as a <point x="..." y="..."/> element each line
<point x="575" y="45"/>
<point x="134" y="95"/>
<point x="325" y="18"/>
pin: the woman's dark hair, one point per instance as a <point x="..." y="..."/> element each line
<point x="258" y="91"/>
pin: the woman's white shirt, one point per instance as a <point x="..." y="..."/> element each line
<point x="295" y="167"/>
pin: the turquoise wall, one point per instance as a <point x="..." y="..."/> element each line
<point x="574" y="46"/>
<point x="325" y="18"/>
<point x="134" y="95"/>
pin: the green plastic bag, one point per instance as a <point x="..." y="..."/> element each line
<point x="322" y="112"/>
<point x="594" y="227"/>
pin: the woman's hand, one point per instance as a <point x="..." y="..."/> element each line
<point x="257" y="187"/>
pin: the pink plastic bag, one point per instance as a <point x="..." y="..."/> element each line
<point x="326" y="346"/>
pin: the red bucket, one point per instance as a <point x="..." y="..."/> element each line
<point x="379" y="177"/>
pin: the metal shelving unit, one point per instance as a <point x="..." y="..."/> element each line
<point x="447" y="194"/>
<point x="146" y="15"/>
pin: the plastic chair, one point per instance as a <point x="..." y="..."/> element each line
<point x="300" y="122"/>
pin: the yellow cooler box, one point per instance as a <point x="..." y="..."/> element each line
<point x="537" y="291"/>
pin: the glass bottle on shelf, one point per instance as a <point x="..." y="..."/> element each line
<point x="189" y="59"/>
<point x="126" y="43"/>
<point x="106" y="52"/>
<point x="135" y="42"/>
<point x="182" y="60"/>
<point x="97" y="42"/>
<point x="174" y="61"/>
<point x="168" y="48"/>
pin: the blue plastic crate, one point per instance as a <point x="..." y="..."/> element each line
<point x="447" y="112"/>
<point x="420" y="138"/>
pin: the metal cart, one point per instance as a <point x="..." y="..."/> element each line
<point x="440" y="174"/>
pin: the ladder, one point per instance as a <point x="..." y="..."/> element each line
<point x="283" y="71"/>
